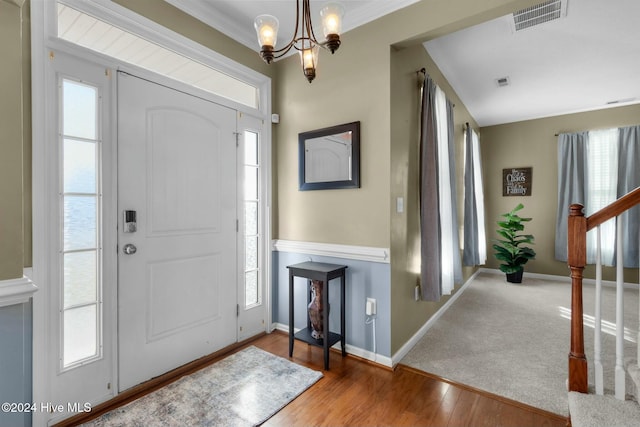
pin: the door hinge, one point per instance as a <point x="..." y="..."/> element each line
<point x="237" y="134"/>
<point x="237" y="225"/>
<point x="237" y="310"/>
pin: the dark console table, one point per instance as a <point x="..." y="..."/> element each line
<point x="325" y="273"/>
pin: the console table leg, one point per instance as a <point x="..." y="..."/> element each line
<point x="325" y="321"/>
<point x="291" y="339"/>
<point x="342" y="315"/>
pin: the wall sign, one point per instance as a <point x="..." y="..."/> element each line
<point x="516" y="181"/>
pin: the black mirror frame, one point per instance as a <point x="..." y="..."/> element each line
<point x="354" y="182"/>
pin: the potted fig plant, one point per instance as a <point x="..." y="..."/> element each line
<point x="511" y="249"/>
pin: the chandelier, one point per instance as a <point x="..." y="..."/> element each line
<point x="305" y="41"/>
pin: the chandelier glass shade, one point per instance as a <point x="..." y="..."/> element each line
<point x="304" y="39"/>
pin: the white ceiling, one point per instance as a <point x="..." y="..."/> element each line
<point x="235" y="17"/>
<point x="583" y="61"/>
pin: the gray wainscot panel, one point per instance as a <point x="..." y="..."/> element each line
<point x="15" y="364"/>
<point x="363" y="279"/>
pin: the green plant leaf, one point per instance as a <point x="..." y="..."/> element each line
<point x="506" y="234"/>
<point x="505" y="258"/>
<point x="510" y="249"/>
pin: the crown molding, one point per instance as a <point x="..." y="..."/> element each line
<point x="204" y="12"/>
<point x="245" y="34"/>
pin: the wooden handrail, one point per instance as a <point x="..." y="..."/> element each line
<point x="578" y="225"/>
<point x="625" y="202"/>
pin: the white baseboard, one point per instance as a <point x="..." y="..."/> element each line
<point x="17" y="291"/>
<point x="351" y="349"/>
<point x="566" y="279"/>
<point x="361" y="253"/>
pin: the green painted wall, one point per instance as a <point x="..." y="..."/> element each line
<point x="533" y="143"/>
<point x="12" y="141"/>
<point x="349" y="87"/>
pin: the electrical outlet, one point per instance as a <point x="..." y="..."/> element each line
<point x="371" y="307"/>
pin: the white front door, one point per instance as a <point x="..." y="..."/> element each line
<point x="177" y="272"/>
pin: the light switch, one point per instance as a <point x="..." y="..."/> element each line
<point x="400" y="204"/>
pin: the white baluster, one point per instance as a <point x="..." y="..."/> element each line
<point x="597" y="331"/>
<point x="619" y="372"/>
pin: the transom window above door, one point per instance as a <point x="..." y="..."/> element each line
<point x="82" y="29"/>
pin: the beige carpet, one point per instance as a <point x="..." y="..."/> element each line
<point x="513" y="339"/>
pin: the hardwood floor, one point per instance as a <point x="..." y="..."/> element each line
<point x="355" y="392"/>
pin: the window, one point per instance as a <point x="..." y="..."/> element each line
<point x="594" y="169"/>
<point x="447" y="227"/>
<point x="602" y="186"/>
<point x="81" y="240"/>
<point x="251" y="219"/>
<point x="87" y="31"/>
<point x="475" y="242"/>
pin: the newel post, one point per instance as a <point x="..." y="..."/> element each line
<point x="577" y="258"/>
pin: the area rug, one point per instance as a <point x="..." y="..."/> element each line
<point x="513" y="340"/>
<point x="244" y="389"/>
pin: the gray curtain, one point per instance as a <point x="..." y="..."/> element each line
<point x="628" y="180"/>
<point x="430" y="219"/>
<point x="572" y="188"/>
<point x="470" y="254"/>
<point x="572" y="161"/>
<point x="430" y="276"/>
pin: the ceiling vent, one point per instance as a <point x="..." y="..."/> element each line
<point x="502" y="81"/>
<point x="539" y="14"/>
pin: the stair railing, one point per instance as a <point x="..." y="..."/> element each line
<point x="578" y="226"/>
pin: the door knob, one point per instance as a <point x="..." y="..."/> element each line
<point x="129" y="249"/>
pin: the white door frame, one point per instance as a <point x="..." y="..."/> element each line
<point x="43" y="39"/>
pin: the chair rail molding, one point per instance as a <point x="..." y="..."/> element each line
<point x="16" y="291"/>
<point x="362" y="253"/>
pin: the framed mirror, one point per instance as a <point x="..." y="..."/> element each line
<point x="329" y="158"/>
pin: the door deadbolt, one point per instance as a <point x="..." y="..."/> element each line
<point x="130" y="221"/>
